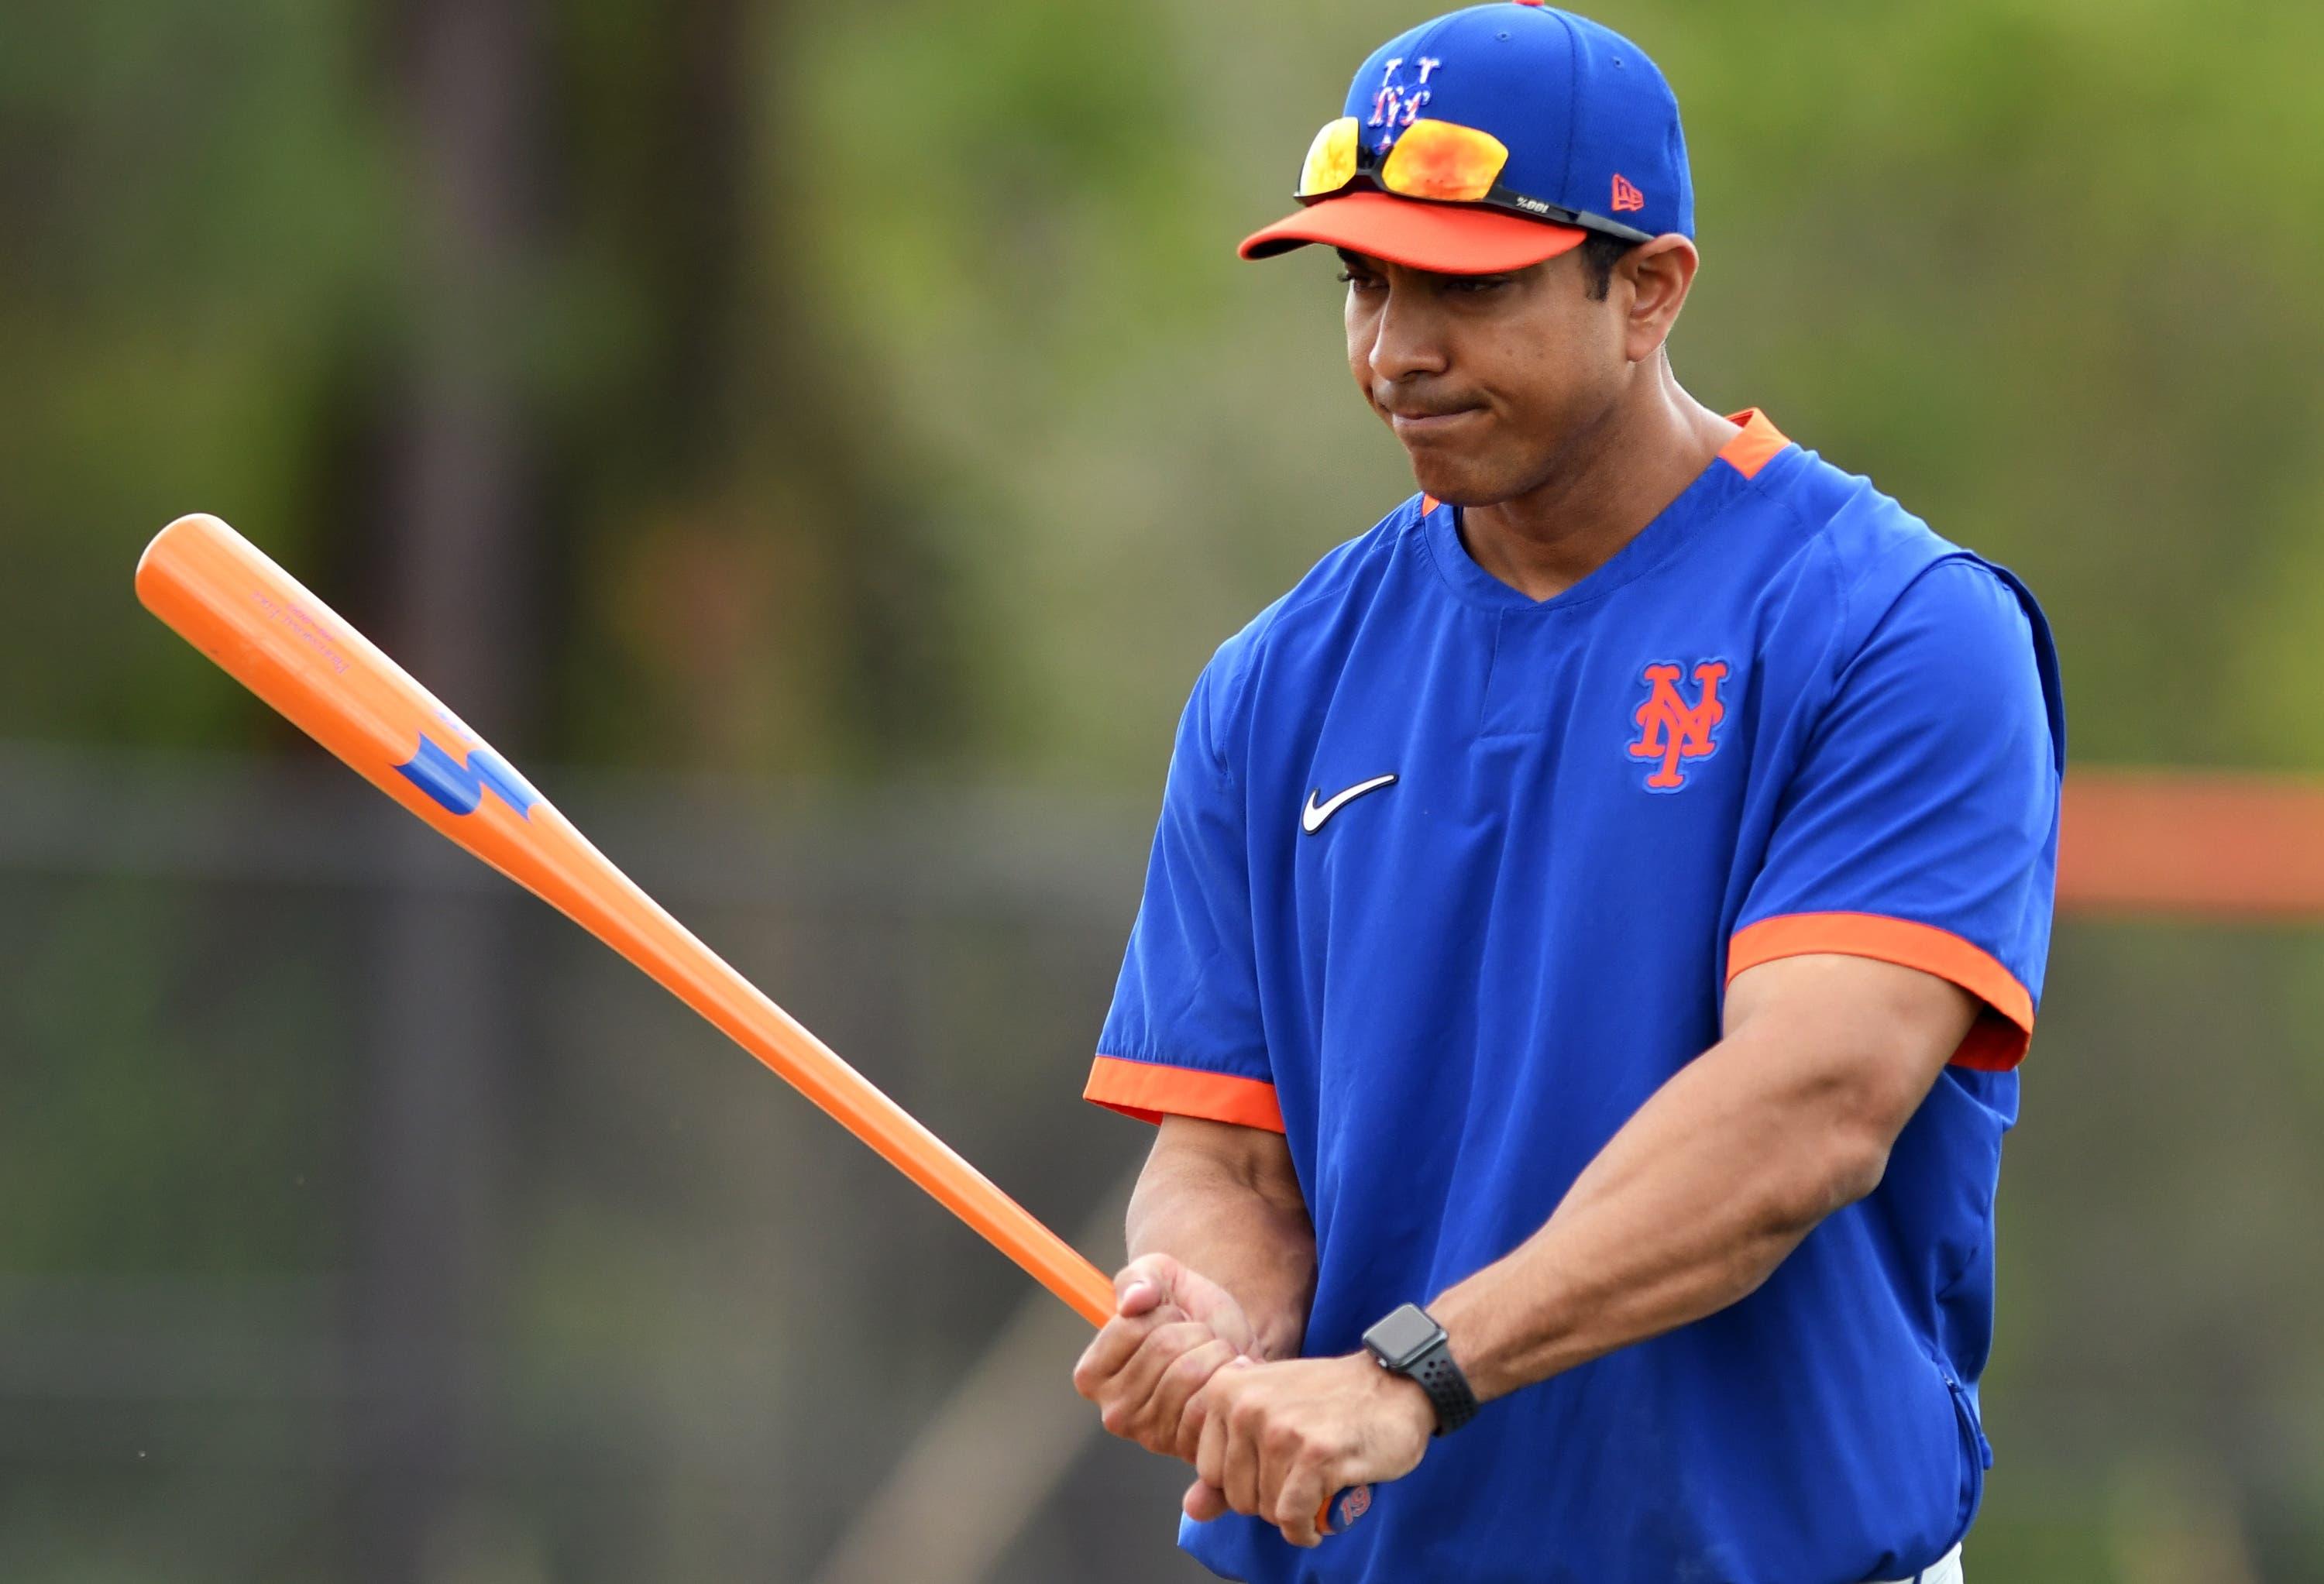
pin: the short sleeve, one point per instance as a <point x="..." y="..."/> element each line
<point x="1921" y="826"/>
<point x="1183" y="1035"/>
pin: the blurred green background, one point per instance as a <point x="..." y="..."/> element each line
<point x="821" y="444"/>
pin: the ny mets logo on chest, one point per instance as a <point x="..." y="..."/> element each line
<point x="1672" y="731"/>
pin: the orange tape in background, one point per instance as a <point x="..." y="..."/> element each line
<point x="2221" y="844"/>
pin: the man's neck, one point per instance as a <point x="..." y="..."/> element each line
<point x="1615" y="479"/>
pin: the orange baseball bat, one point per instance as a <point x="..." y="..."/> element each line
<point x="224" y="597"/>
<point x="228" y="599"/>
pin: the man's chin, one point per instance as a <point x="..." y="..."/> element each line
<point x="1453" y="484"/>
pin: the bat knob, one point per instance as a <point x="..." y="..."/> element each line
<point x="1344" y="1509"/>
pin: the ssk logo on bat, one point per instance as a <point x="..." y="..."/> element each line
<point x="1671" y="729"/>
<point x="460" y="785"/>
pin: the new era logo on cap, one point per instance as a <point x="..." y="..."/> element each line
<point x="1626" y="197"/>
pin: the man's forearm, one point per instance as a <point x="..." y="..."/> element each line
<point x="1251" y="1237"/>
<point x="1689" y="1208"/>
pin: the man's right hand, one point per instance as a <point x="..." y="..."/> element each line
<point x="1171" y="1332"/>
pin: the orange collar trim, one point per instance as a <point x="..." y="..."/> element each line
<point x="1758" y="445"/>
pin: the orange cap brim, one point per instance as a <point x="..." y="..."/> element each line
<point x="1447" y="238"/>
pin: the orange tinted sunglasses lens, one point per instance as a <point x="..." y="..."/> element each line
<point x="1331" y="158"/>
<point x="1441" y="159"/>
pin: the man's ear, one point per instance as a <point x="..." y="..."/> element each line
<point x="1653" y="280"/>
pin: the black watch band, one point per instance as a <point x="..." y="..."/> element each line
<point x="1407" y="1341"/>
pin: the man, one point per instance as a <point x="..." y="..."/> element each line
<point x="1593" y="924"/>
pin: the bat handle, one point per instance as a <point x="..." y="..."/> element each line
<point x="1344" y="1509"/>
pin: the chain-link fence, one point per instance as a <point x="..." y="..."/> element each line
<point x="365" y="1220"/>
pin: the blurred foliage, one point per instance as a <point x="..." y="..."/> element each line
<point x="2034" y="267"/>
<point x="896" y="408"/>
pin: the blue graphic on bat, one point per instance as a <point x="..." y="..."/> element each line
<point x="461" y="787"/>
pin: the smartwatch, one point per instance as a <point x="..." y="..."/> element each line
<point x="1407" y="1342"/>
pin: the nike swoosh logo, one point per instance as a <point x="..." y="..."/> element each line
<point x="1312" y="817"/>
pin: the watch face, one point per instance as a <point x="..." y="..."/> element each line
<point x="1401" y="1334"/>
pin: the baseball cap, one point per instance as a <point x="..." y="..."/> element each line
<point x="1534" y="127"/>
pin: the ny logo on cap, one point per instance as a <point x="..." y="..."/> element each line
<point x="1395" y="106"/>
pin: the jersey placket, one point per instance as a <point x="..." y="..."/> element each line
<point x="1533" y="661"/>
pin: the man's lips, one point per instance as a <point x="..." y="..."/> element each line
<point x="1418" y="421"/>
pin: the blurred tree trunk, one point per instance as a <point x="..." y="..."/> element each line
<point x="751" y="396"/>
<point x="701" y="231"/>
<point x="760" y="395"/>
<point x="459" y="564"/>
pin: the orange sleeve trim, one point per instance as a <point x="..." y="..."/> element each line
<point x="1759" y="444"/>
<point x="1149" y="1091"/>
<point x="1996" y="1042"/>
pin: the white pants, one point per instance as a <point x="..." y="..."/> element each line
<point x="1947" y="1570"/>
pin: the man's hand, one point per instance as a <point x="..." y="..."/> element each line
<point x="1277" y="1441"/>
<point x="1172" y="1330"/>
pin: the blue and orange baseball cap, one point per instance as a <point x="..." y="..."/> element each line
<point x="1491" y="139"/>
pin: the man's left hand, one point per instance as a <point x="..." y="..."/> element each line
<point x="1279" y="1439"/>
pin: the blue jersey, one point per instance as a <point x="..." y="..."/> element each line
<point x="1448" y="881"/>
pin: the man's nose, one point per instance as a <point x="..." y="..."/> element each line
<point x="1405" y="341"/>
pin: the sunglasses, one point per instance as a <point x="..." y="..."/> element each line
<point x="1439" y="161"/>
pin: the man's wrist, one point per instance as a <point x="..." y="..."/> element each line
<point x="1463" y="1342"/>
<point x="1402" y="1394"/>
<point x="1408" y="1341"/>
<point x="1279" y="1340"/>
